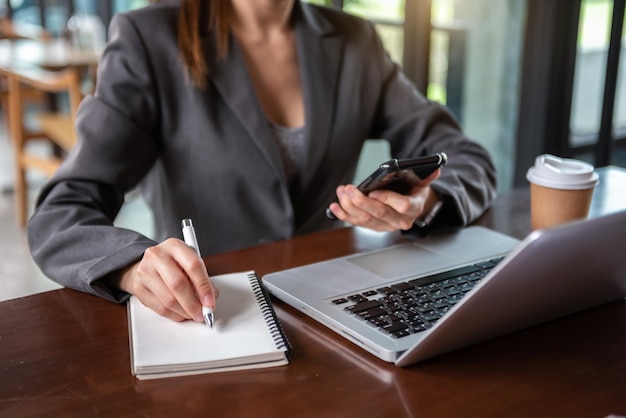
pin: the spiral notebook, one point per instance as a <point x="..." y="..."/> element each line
<point x="246" y="334"/>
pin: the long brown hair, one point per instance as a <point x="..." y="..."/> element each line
<point x="194" y="20"/>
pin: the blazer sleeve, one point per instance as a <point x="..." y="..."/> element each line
<point x="414" y="126"/>
<point x="71" y="234"/>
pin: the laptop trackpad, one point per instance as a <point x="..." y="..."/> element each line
<point x="401" y="262"/>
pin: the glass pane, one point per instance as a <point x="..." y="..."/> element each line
<point x="393" y="39"/>
<point x="475" y="64"/>
<point x="56" y="15"/>
<point x="589" y="74"/>
<point x="619" y="118"/>
<point x="442" y="15"/>
<point x="86" y="6"/>
<point x="321" y="2"/>
<point x="125" y="5"/>
<point x="28" y="11"/>
<point x="385" y="10"/>
<point x="388" y="16"/>
<point x="25" y="11"/>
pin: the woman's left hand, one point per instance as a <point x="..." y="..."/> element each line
<point x="385" y="210"/>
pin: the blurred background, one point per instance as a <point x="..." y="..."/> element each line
<point x="523" y="77"/>
<point x="498" y="65"/>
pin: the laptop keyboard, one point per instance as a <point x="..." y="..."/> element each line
<point x="413" y="306"/>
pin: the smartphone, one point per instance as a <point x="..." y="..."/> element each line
<point x="400" y="175"/>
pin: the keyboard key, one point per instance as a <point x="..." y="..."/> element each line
<point x="405" y="315"/>
<point x="425" y="299"/>
<point x="414" y="322"/>
<point x="386" y="291"/>
<point x="362" y="306"/>
<point x="417" y="292"/>
<point x="395" y="326"/>
<point x="430" y="287"/>
<point x="437" y="295"/>
<point x="340" y="301"/>
<point x="401" y="297"/>
<point x="401" y="333"/>
<point x="445" y="275"/>
<point x="486" y="265"/>
<point x="466" y="287"/>
<point x="443" y="310"/>
<point x="379" y="321"/>
<point x="400" y="287"/>
<point x="394" y="307"/>
<point x="357" y="298"/>
<point x="419" y="328"/>
<point x="461" y="279"/>
<point x="372" y="312"/>
<point x="411" y="305"/>
<point x="447" y="283"/>
<point x="441" y="304"/>
<point x="450" y="291"/>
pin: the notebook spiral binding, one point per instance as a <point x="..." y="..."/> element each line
<point x="269" y="315"/>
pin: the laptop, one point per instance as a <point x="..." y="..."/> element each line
<point x="419" y="299"/>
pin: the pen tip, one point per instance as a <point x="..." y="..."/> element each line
<point x="208" y="319"/>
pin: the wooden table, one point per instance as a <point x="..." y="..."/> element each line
<point x="65" y="353"/>
<point x="52" y="54"/>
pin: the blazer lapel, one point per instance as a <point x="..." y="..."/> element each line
<point x="319" y="55"/>
<point x="230" y="78"/>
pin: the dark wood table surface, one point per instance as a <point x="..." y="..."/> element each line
<point x="64" y="353"/>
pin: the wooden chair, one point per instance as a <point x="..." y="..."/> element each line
<point x="9" y="30"/>
<point x="56" y="128"/>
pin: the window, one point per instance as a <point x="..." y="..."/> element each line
<point x="54" y="14"/>
<point x="124" y="5"/>
<point x="471" y="61"/>
<point x="590" y="78"/>
<point x="462" y="53"/>
<point x="573" y="84"/>
<point x="476" y="69"/>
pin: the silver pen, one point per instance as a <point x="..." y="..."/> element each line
<point x="189" y="235"/>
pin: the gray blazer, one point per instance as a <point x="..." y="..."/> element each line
<point x="210" y="156"/>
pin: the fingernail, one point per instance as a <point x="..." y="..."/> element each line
<point x="208" y="301"/>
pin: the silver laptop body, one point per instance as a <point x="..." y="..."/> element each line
<point x="549" y="274"/>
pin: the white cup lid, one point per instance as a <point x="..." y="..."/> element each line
<point x="562" y="173"/>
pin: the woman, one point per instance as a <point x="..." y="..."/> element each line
<point x="247" y="116"/>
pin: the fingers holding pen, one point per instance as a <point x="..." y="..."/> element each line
<point x="170" y="279"/>
<point x="174" y="264"/>
<point x="145" y="280"/>
<point x="204" y="288"/>
<point x="196" y="272"/>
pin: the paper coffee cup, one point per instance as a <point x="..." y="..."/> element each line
<point x="560" y="190"/>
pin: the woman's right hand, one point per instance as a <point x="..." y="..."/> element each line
<point x="171" y="280"/>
